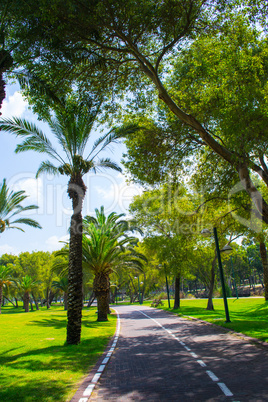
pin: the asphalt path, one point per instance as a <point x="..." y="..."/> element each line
<point x="157" y="356"/>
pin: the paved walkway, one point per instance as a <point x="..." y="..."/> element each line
<point x="161" y="357"/>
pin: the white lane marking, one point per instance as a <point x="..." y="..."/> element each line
<point x="225" y="389"/>
<point x="88" y="391"/>
<point x="212" y="375"/>
<point x="194" y="355"/>
<point x="201" y="363"/>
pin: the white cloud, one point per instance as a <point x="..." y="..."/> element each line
<point x="15" y="105"/>
<point x="53" y="242"/>
<point x="7" y="249"/>
<point x="32" y="187"/>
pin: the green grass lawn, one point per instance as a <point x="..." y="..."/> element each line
<point x="248" y="315"/>
<point x="35" y="365"/>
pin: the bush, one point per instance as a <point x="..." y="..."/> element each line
<point x="189" y="296"/>
<point x="227" y="291"/>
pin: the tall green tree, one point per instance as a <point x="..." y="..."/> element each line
<point x="10" y="206"/>
<point x="167" y="217"/>
<point x="138" y="42"/>
<point x="71" y="126"/>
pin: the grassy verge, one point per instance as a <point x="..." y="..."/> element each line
<point x="248" y="315"/>
<point x="35" y="365"/>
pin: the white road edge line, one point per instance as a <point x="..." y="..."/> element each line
<point x="225" y="389"/>
<point x="88" y="391"/>
<point x="213" y="377"/>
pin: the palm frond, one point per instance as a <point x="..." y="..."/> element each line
<point x="47" y="167"/>
<point x="27" y="221"/>
<point x="105" y="163"/>
<point x="36" y="140"/>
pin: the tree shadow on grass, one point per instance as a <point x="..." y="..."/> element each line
<point x="54" y="359"/>
<point x="34" y="390"/>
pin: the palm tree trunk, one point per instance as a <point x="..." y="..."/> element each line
<point x="101" y="289"/>
<point x="76" y="191"/>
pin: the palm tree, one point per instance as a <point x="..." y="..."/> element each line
<point x="62" y="285"/>
<point x="27" y="284"/>
<point x="5" y="280"/>
<point x="107" y="246"/>
<point x="71" y="125"/>
<point x="10" y="207"/>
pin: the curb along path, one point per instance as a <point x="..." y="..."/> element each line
<point x="89" y="384"/>
<point x="161" y="357"/>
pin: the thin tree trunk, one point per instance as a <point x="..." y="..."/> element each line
<point x="26" y="301"/>
<point x="35" y="301"/>
<point x="91" y="299"/>
<point x="177" y="292"/>
<point x="51" y="297"/>
<point x="263" y="253"/>
<point x="76" y="191"/>
<point x="10" y="301"/>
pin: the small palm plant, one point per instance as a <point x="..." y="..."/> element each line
<point x="10" y="207"/>
<point x="106" y="247"/>
<point x="5" y="280"/>
<point x="62" y="286"/>
<point x="26" y="285"/>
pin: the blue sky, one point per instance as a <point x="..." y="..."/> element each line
<point x="48" y="192"/>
